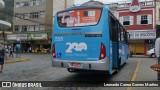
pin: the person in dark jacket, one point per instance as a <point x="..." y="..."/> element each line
<point x="2" y="56"/>
<point x="17" y="50"/>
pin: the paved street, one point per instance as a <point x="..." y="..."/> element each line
<point x="38" y="68"/>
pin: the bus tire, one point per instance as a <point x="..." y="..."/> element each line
<point x="70" y="70"/>
<point x="116" y="72"/>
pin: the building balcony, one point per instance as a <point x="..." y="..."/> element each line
<point x="2" y="4"/>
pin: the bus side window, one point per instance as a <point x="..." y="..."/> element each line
<point x="112" y="28"/>
<point x="119" y="33"/>
<point x="122" y="34"/>
<point x="126" y="37"/>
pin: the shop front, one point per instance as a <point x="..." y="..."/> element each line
<point x="141" y="41"/>
<point x="39" y="42"/>
<point x="14" y="39"/>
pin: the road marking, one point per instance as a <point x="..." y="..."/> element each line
<point x="14" y="61"/>
<point x="30" y="78"/>
<point x="135" y="74"/>
<point x="136" y="71"/>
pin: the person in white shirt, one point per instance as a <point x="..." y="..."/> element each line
<point x="157" y="53"/>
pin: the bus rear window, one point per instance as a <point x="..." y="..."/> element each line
<point x="83" y="17"/>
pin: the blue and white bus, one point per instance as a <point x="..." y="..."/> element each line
<point x="88" y="37"/>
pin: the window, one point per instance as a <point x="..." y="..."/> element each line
<point x="34" y="15"/>
<point x="35" y="2"/>
<point x="41" y="27"/>
<point x="32" y="27"/>
<point x="31" y="3"/>
<point x="21" y="4"/>
<point x="112" y="28"/>
<point x="17" y="4"/>
<point x="122" y="34"/>
<point x="126" y="20"/>
<point x="26" y="15"/>
<point x="21" y="16"/>
<point x="42" y="2"/>
<point x="144" y="19"/>
<point x="119" y="32"/>
<point x="42" y="14"/>
<point x="17" y="16"/>
<point x="36" y="27"/>
<point x="24" y="28"/>
<point x="26" y="4"/>
<point x="16" y="28"/>
<point x="82" y="17"/>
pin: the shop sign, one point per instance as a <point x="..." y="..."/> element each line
<point x="11" y="37"/>
<point x="17" y="37"/>
<point x="149" y="34"/>
<point x="135" y="8"/>
<point x="21" y="37"/>
<point x="37" y="36"/>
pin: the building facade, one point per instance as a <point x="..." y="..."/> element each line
<point x="158" y="12"/>
<point x="157" y="18"/>
<point x="138" y="17"/>
<point x="33" y="21"/>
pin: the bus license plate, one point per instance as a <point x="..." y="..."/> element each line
<point x="76" y="65"/>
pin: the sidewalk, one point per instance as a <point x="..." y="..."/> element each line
<point x="145" y="73"/>
<point x="15" y="59"/>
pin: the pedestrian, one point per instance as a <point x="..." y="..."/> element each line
<point x="30" y="49"/>
<point x="11" y="51"/>
<point x="157" y="52"/>
<point x="2" y="56"/>
<point x="17" y="50"/>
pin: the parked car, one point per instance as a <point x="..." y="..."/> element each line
<point x="151" y="53"/>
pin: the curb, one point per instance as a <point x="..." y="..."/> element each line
<point x="14" y="61"/>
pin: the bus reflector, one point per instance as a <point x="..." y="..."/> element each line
<point x="102" y="52"/>
<point x="53" y="51"/>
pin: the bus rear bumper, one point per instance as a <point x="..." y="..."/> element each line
<point x="102" y="65"/>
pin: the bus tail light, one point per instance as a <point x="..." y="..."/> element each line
<point x="102" y="52"/>
<point x="53" y="51"/>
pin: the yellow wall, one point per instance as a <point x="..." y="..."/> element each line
<point x="137" y="48"/>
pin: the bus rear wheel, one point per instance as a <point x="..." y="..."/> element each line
<point x="70" y="70"/>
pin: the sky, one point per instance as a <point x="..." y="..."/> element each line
<point x="77" y="2"/>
